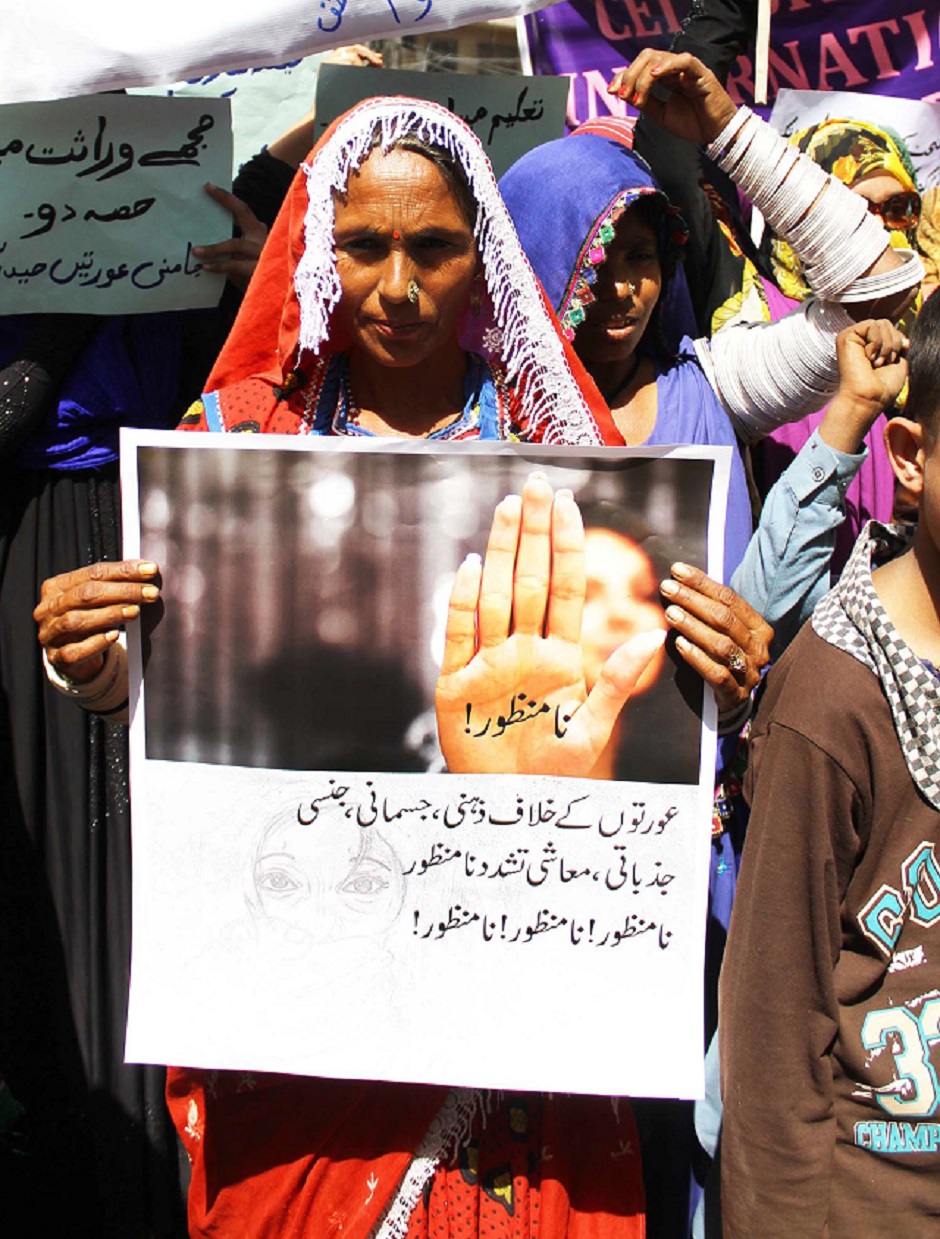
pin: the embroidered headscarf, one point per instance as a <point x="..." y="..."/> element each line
<point x="849" y="150"/>
<point x="566" y="197"/>
<point x="278" y="352"/>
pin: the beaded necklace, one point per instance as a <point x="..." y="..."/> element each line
<point x="330" y="406"/>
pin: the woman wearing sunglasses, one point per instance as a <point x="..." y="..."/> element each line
<point x="875" y="164"/>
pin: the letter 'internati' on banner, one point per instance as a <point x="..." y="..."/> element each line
<point x="844" y="45"/>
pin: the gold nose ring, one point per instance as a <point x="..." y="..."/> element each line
<point x="412" y="292"/>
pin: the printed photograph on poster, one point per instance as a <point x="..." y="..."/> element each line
<point x="306" y="603"/>
<point x="303" y="859"/>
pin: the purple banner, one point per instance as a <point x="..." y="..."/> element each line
<point x="815" y="45"/>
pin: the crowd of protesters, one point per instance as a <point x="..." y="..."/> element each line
<point x="390" y="288"/>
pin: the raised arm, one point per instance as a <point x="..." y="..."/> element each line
<point x="786" y="568"/>
<point x="717" y="32"/>
<point x="767" y="374"/>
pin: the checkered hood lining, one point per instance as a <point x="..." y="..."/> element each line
<point x="852" y="618"/>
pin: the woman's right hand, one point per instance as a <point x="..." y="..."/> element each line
<point x="80" y="613"/>
<point x="696" y="106"/>
<point x="719" y="634"/>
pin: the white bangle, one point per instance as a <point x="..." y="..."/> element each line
<point x="721" y="145"/>
<point x="829" y="228"/>
<point x="870" y="287"/>
<point x="766" y="374"/>
<point x="104" y="693"/>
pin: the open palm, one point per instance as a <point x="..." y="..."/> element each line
<point x="511" y="696"/>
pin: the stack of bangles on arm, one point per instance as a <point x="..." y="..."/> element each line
<point x="106" y="693"/>
<point x="763" y="370"/>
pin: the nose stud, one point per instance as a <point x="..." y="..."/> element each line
<point x="632" y="287"/>
<point x="412" y="292"/>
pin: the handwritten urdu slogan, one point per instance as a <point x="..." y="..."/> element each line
<point x="312" y="893"/>
<point x="102" y="200"/>
<point x="510" y="115"/>
<point x="60" y="49"/>
<point x="916" y="123"/>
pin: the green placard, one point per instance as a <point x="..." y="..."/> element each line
<point x="102" y="200"/>
<point x="508" y="114"/>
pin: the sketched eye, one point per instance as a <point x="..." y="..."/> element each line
<point x="364" y="884"/>
<point x="276" y="882"/>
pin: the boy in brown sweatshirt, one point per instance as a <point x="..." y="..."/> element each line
<point x="830" y="993"/>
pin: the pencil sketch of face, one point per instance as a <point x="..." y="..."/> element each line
<point x="326" y="880"/>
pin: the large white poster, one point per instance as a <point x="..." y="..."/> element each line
<point x="56" y="49"/>
<point x="313" y="891"/>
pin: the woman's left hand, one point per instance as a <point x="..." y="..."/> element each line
<point x="718" y="634"/>
<point x="696" y="106"/>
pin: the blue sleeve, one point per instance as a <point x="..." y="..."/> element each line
<point x="786" y="567"/>
<point x="739" y="522"/>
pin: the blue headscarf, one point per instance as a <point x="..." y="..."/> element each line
<point x="565" y="198"/>
<point x="128" y="374"/>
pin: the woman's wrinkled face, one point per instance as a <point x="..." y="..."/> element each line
<point x="400" y="221"/>
<point x="626" y="291"/>
<point x="621" y="601"/>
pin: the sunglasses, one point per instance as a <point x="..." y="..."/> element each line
<point x="900" y="211"/>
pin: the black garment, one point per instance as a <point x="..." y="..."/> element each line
<point x="717" y="32"/>
<point x="100" y="1156"/>
<point x="29" y="384"/>
<point x="263" y="182"/>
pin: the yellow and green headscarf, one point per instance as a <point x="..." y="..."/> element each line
<point x="850" y="150"/>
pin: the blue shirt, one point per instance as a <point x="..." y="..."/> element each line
<point x="786" y="567"/>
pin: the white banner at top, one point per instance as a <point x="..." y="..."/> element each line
<point x="59" y="48"/>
